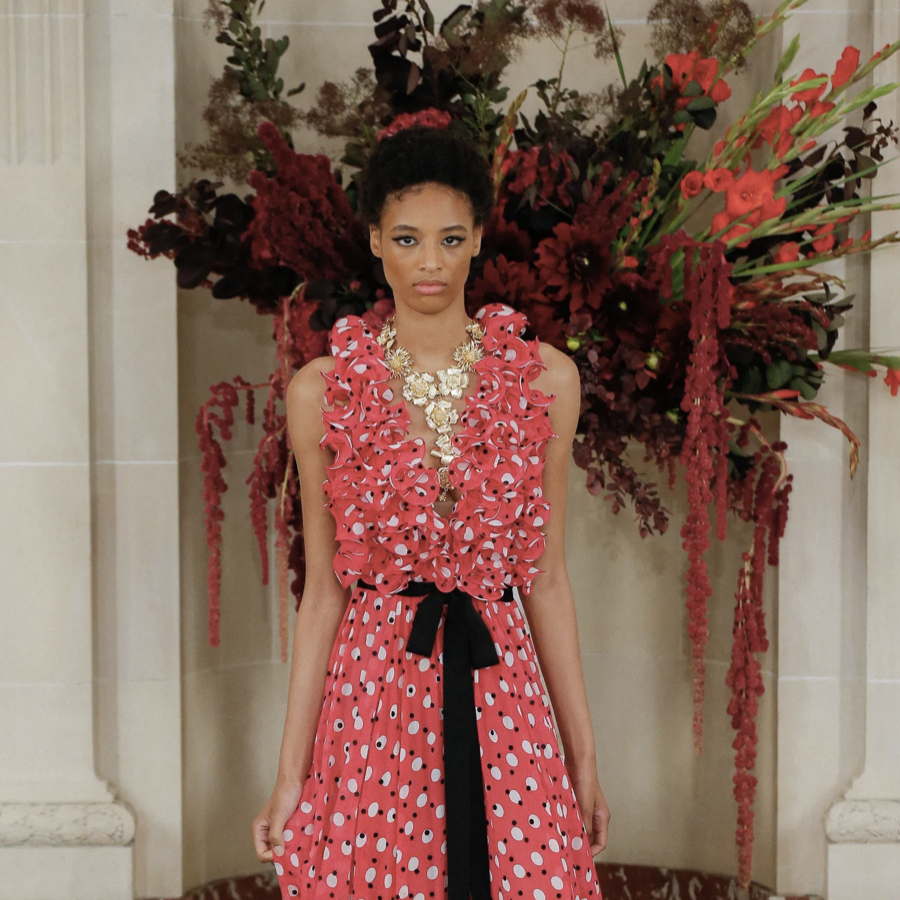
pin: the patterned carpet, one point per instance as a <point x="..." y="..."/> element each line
<point x="618" y="882"/>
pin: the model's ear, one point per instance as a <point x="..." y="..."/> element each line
<point x="476" y="246"/>
<point x="375" y="239"/>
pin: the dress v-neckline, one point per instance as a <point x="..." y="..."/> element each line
<point x="405" y="419"/>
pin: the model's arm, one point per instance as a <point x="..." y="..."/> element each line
<point x="322" y="607"/>
<point x="550" y="607"/>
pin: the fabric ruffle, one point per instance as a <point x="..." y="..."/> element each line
<point x="382" y="493"/>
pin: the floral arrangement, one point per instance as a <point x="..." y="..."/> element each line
<point x="688" y="291"/>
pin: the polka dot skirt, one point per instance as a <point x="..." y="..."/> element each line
<point x="371" y="818"/>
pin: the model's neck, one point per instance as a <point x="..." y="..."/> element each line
<point x="431" y="338"/>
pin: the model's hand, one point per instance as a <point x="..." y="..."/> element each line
<point x="593" y="807"/>
<point x="269" y="823"/>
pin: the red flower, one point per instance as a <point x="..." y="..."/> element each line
<point x="431" y="117"/>
<point x="691" y="184"/>
<point x="789" y="252"/>
<point x="892" y="380"/>
<point x="779" y="122"/>
<point x="846" y="66"/>
<point x="718" y="180"/>
<point x="826" y="241"/>
<point x="810" y="94"/>
<point x="721" y="220"/>
<point x="819" y="109"/>
<point x="753" y="195"/>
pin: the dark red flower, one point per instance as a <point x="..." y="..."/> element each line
<point x="575" y="261"/>
<point x="303" y="219"/>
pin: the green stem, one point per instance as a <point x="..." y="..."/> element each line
<point x="562" y="64"/>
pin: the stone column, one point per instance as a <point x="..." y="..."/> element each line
<point x="864" y="825"/>
<point x="62" y="832"/>
<point x="822" y="576"/>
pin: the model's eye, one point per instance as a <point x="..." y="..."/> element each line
<point x="404" y="238"/>
<point x="452" y="237"/>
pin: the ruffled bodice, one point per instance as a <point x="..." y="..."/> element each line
<point x="382" y="493"/>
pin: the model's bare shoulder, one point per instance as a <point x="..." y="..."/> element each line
<point x="305" y="397"/>
<point x="561" y="377"/>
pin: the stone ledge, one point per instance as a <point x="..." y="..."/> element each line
<point x="65" y="824"/>
<point x="864" y="822"/>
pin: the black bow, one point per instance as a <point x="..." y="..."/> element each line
<point x="468" y="645"/>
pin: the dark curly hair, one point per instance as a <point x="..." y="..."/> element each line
<point x="421" y="154"/>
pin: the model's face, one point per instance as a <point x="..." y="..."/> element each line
<point x="427" y="233"/>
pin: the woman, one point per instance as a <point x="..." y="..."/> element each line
<point x="431" y="768"/>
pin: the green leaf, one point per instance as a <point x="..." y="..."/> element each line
<point x="693" y="89"/>
<point x="615" y="46"/>
<point x="778" y="374"/>
<point x="787" y="58"/>
<point x="682" y="117"/>
<point x="701" y="103"/>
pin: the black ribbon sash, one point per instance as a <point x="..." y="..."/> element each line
<point x="467" y="645"/>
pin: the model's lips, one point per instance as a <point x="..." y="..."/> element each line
<point x="430" y="287"/>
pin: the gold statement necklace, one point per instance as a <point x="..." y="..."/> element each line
<point x="423" y="389"/>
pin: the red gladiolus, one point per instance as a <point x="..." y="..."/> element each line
<point x="892" y="380"/>
<point x="789" y="252"/>
<point x="718" y="180"/>
<point x="809" y="95"/>
<point x="819" y="109"/>
<point x="845" y="68"/>
<point x="431" y="117"/>
<point x="691" y="184"/>
<point x="721" y="220"/>
<point x="754" y="191"/>
<point x="826" y="241"/>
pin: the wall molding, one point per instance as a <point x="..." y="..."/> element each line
<point x="66" y="824"/>
<point x="864" y="822"/>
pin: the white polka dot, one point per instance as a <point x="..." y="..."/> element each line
<point x="331" y="880"/>
<point x="338" y="818"/>
<point x="511" y="759"/>
<point x="413" y="863"/>
<point x="279" y="869"/>
<point x="536" y="858"/>
<point x="557" y="882"/>
<point x="508" y="722"/>
<point x="519" y="870"/>
<point x="295" y="860"/>
<point x="370" y="874"/>
<point x="538" y="894"/>
<point x="432" y="872"/>
<point x="577" y="842"/>
<point x="413" y="727"/>
<point x="516" y="833"/>
<point x="287" y="834"/>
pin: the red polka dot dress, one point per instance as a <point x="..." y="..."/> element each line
<point x="436" y="772"/>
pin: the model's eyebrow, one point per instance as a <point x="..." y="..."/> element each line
<point x="413" y="228"/>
